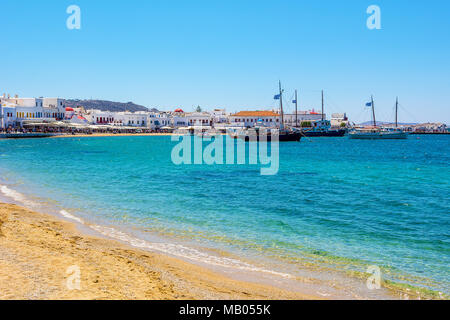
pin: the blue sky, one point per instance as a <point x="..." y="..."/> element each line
<point x="231" y="54"/>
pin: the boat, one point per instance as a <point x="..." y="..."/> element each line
<point x="375" y="132"/>
<point x="321" y="128"/>
<point x="285" y="134"/>
<point x="265" y="134"/>
<point x="26" y="135"/>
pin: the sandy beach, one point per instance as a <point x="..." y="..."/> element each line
<point x="40" y="255"/>
<point x="96" y="135"/>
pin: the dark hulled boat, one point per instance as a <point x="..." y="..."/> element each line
<point x="265" y="134"/>
<point x="257" y="134"/>
<point x="323" y="128"/>
<point x="325" y="133"/>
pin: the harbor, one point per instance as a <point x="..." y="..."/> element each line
<point x="50" y="117"/>
<point x="219" y="156"/>
<point x="299" y="222"/>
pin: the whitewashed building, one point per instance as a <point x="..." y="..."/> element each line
<point x="99" y="117"/>
<point x="312" y="116"/>
<point x="196" y="119"/>
<point x="252" y="118"/>
<point x="337" y="119"/>
<point x="15" y="110"/>
<point x="219" y="116"/>
<point x="157" y="120"/>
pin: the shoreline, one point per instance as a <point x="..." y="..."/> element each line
<point x="100" y="135"/>
<point x="97" y="135"/>
<point x="37" y="250"/>
<point x="397" y="290"/>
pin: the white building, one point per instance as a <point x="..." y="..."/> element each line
<point x="199" y="119"/>
<point x="99" y="117"/>
<point x="7" y="114"/>
<point x="55" y="107"/>
<point x="337" y="119"/>
<point x="133" y="119"/>
<point x="179" y="121"/>
<point x="157" y="120"/>
<point x="312" y="116"/>
<point x="127" y="119"/>
<point x="219" y="116"/>
<point x="252" y="118"/>
<point x="16" y="110"/>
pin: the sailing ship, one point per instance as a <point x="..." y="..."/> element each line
<point x="321" y="128"/>
<point x="375" y="132"/>
<point x="262" y="133"/>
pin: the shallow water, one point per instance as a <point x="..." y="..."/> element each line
<point x="335" y="203"/>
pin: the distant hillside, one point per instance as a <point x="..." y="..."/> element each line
<point x="368" y="123"/>
<point x="106" y="105"/>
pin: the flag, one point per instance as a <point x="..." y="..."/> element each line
<point x="294" y="101"/>
<point x="277" y="97"/>
<point x="368" y="104"/>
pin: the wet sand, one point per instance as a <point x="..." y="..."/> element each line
<point x="40" y="256"/>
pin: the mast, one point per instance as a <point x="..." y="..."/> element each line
<point x="373" y="113"/>
<point x="281" y="107"/>
<point x="396" y="113"/>
<point x="322" y="106"/>
<point x="1" y="116"/>
<point x="296" y="111"/>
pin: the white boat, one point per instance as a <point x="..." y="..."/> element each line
<point x="375" y="132"/>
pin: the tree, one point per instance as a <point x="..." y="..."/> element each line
<point x="306" y="124"/>
<point x="199" y="109"/>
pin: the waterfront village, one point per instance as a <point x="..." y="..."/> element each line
<point x="49" y="115"/>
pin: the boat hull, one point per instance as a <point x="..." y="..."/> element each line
<point x="329" y="133"/>
<point x="26" y="135"/>
<point x="378" y="135"/>
<point x="284" y="137"/>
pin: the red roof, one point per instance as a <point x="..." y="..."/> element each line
<point x="256" y="114"/>
<point x="69" y="109"/>
<point x="179" y="110"/>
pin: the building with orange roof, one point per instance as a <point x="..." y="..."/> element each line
<point x="252" y="118"/>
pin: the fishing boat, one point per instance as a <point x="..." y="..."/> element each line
<point x="375" y="132"/>
<point x="321" y="128"/>
<point x="260" y="133"/>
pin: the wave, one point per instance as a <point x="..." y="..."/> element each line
<point x="16" y="196"/>
<point x="67" y="215"/>
<point x="173" y="249"/>
<point x="183" y="252"/>
<point x="176" y="250"/>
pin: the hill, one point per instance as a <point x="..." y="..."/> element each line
<point x="368" y="123"/>
<point x="106" y="105"/>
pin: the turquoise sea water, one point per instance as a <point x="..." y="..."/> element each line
<point x="345" y="204"/>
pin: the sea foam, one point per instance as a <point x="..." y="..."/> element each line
<point x="173" y="249"/>
<point x="176" y="250"/>
<point x="16" y="196"/>
<point x="183" y="251"/>
<point x="67" y="215"/>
